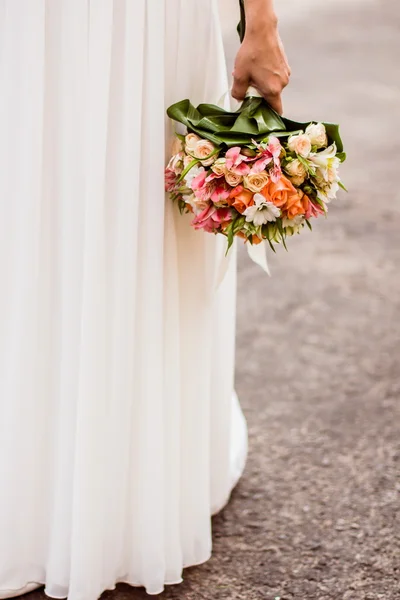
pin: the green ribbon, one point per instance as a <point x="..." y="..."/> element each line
<point x="254" y="120"/>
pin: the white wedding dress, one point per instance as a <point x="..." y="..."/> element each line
<point x="118" y="434"/>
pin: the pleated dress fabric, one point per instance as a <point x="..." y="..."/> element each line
<point x="118" y="434"/>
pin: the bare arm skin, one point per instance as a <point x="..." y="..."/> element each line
<point x="261" y="60"/>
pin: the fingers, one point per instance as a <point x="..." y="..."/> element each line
<point x="275" y="101"/>
<point x="240" y="86"/>
<point x="273" y="95"/>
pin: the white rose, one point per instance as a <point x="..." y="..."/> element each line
<point x="219" y="167"/>
<point x="301" y="144"/>
<point x="296" y="171"/>
<point x="190" y="142"/>
<point x="317" y="135"/>
<point x="256" y="181"/>
<point x="202" y="150"/>
<point x="233" y="179"/>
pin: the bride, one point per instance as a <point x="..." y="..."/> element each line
<point x="119" y="431"/>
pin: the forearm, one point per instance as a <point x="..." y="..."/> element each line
<point x="260" y="14"/>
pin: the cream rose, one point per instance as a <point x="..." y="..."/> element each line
<point x="301" y="144"/>
<point x="190" y="142"/>
<point x="202" y="150"/>
<point x="297" y="180"/>
<point x="256" y="181"/>
<point x="297" y="171"/>
<point x="219" y="167"/>
<point x="233" y="179"/>
<point x="317" y="134"/>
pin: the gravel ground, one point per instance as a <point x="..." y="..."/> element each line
<point x="318" y="360"/>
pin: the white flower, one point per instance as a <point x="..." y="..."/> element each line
<point x="194" y="171"/>
<point x="317" y="135"/>
<point x="197" y="204"/>
<point x="328" y="192"/>
<point x="301" y="144"/>
<point x="261" y="212"/>
<point x="326" y="163"/>
<point x="295" y="224"/>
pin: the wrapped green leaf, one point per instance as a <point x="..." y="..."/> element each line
<point x="254" y="120"/>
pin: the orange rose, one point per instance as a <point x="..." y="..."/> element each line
<point x="297" y="205"/>
<point x="279" y="192"/>
<point x="240" y="199"/>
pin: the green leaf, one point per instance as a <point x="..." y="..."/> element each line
<point x="254" y="120"/>
<point x="342" y="186"/>
<point x="238" y="224"/>
<point x="309" y="225"/>
<point x="186" y="171"/>
<point x="229" y="231"/>
<point x="241" y="28"/>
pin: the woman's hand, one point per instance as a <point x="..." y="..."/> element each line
<point x="261" y="60"/>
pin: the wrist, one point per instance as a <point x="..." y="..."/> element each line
<point x="261" y="18"/>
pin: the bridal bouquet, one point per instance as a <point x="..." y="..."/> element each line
<point x="252" y="173"/>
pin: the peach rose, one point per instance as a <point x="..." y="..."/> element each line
<point x="233" y="179"/>
<point x="190" y="142"/>
<point x="240" y="199"/>
<point x="279" y="192"/>
<point x="202" y="150"/>
<point x="297" y="171"/>
<point x="301" y="144"/>
<point x="256" y="181"/>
